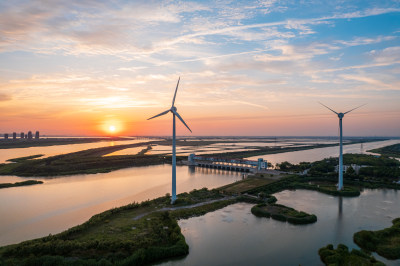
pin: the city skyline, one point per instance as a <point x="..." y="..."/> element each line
<point x="247" y="68"/>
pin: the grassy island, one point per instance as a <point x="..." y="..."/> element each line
<point x="342" y="256"/>
<point x="283" y="213"/>
<point x="385" y="242"/>
<point x="20" y="184"/>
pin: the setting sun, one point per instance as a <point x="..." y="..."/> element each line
<point x="111" y="128"/>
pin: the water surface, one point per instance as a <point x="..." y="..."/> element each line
<point x="234" y="236"/>
<point x="60" y="203"/>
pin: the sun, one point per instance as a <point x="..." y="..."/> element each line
<point x="112" y="128"/>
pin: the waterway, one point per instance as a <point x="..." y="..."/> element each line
<point x="60" y="203"/>
<point x="313" y="155"/>
<point x="234" y="236"/>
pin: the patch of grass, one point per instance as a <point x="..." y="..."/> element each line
<point x="342" y="256"/>
<point x="283" y="213"/>
<point x="385" y="242"/>
<point x="245" y="185"/>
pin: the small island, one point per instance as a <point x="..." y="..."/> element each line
<point x="342" y="256"/>
<point x="283" y="213"/>
<point x="385" y="242"/>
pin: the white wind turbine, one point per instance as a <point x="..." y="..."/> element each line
<point x="174" y="113"/>
<point x="341" y="115"/>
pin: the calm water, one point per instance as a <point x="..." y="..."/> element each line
<point x="6" y="154"/>
<point x="321" y="153"/>
<point x="60" y="203"/>
<point x="233" y="236"/>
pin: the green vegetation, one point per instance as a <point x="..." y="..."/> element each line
<point x="245" y="185"/>
<point x="134" y="234"/>
<point x="389" y="151"/>
<point x="342" y="256"/>
<point x="283" y="213"/>
<point x="373" y="168"/>
<point x="20" y="184"/>
<point x="385" y="242"/>
<point x="296" y="182"/>
<point x="20" y="159"/>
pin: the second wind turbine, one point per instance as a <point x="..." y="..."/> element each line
<point x="340" y="170"/>
<point x="174" y="112"/>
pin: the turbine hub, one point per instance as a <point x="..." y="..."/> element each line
<point x="340" y="115"/>
<point x="173" y="108"/>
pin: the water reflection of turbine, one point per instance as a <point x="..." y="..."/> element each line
<point x="340" y="207"/>
<point x="339" y="220"/>
<point x="192" y="170"/>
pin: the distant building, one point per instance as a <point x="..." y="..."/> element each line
<point x="30" y="135"/>
<point x="37" y="135"/>
<point x="14" y="135"/>
<point x="356" y="168"/>
<point x="5" y="136"/>
<point x="22" y="135"/>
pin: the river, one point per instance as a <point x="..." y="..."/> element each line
<point x="60" y="203"/>
<point x="313" y="155"/>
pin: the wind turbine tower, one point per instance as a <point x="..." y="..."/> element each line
<point x="174" y="112"/>
<point x="341" y="115"/>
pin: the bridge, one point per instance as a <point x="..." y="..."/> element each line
<point x="238" y="165"/>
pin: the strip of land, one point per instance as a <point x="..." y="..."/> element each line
<point x="20" y="184"/>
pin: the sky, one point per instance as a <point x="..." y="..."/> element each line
<point x="247" y="68"/>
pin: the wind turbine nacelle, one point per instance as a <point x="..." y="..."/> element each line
<point x="340" y="115"/>
<point x="173" y="108"/>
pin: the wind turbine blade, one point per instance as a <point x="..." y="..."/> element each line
<point x="180" y="118"/>
<point x="163" y="113"/>
<point x="354" y="108"/>
<point x="328" y="108"/>
<point x="173" y="101"/>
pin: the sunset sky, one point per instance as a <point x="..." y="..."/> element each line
<point x="247" y="67"/>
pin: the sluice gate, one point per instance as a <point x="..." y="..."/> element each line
<point x="238" y="165"/>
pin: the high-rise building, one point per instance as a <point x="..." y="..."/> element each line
<point x="5" y="136"/>
<point x="14" y="135"/>
<point x="22" y="135"/>
<point x="37" y="135"/>
<point x="30" y="135"/>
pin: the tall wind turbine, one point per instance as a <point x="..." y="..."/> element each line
<point x="341" y="115"/>
<point x="174" y="113"/>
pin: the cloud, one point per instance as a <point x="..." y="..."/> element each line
<point x="5" y="97"/>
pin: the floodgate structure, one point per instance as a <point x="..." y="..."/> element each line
<point x="238" y="165"/>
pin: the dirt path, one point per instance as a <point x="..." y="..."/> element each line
<point x="181" y="207"/>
